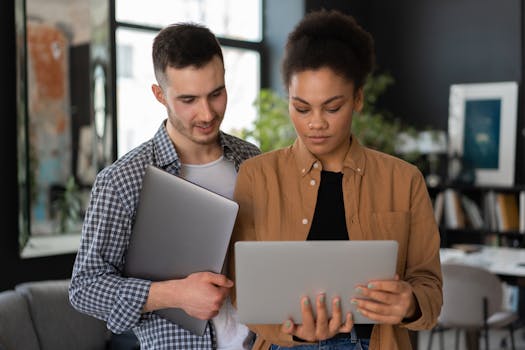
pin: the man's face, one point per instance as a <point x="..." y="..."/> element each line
<point x="195" y="99"/>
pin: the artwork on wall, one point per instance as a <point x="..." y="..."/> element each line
<point x="482" y="130"/>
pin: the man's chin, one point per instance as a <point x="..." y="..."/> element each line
<point x="206" y="138"/>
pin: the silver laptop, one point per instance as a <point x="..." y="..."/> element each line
<point x="271" y="277"/>
<point x="180" y="228"/>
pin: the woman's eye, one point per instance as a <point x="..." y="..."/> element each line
<point x="301" y="110"/>
<point x="333" y="110"/>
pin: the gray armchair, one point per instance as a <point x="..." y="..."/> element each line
<point x="37" y="315"/>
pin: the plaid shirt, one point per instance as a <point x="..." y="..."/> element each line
<point x="97" y="286"/>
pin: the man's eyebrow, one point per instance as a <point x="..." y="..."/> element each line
<point x="186" y="96"/>
<point x="324" y="103"/>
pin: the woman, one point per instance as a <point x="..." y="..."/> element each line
<point x="327" y="182"/>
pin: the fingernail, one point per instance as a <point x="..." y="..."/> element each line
<point x="288" y="324"/>
<point x="306" y="302"/>
<point x="337" y="302"/>
<point x="322" y="298"/>
<point x="370" y="285"/>
<point x="358" y="290"/>
<point x="354" y="301"/>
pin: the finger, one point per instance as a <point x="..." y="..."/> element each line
<point x="380" y="318"/>
<point x="391" y="286"/>
<point x="391" y="314"/>
<point x="306" y="330"/>
<point x="322" y="317"/>
<point x="307" y="313"/>
<point x="348" y="325"/>
<point x="219" y="280"/>
<point x="287" y="327"/>
<point x="337" y="316"/>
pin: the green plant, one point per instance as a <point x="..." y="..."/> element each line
<point x="68" y="206"/>
<point x="272" y="129"/>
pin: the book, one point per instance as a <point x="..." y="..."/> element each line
<point x="453" y="211"/>
<point x="438" y="207"/>
<point x="507" y="212"/>
<point x="522" y="211"/>
<point x="489" y="211"/>
<point x="473" y="212"/>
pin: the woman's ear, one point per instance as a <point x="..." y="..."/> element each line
<point x="158" y="93"/>
<point x="359" y="100"/>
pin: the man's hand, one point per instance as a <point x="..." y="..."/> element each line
<point x="200" y="294"/>
<point x="323" y="327"/>
<point x="389" y="301"/>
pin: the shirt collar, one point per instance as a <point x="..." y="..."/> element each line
<point x="306" y="161"/>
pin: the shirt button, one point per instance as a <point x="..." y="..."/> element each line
<point x="358" y="170"/>
<point x="312" y="182"/>
<point x="305" y="221"/>
<point x="316" y="165"/>
<point x="303" y="171"/>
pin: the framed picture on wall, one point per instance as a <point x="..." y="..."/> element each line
<point x="482" y="130"/>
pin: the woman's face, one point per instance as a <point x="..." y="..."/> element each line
<point x="321" y="104"/>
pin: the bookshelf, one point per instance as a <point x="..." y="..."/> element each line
<point x="486" y="215"/>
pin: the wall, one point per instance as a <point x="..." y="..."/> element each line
<point x="428" y="45"/>
<point x="280" y="18"/>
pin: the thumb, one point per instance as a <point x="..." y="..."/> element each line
<point x="220" y="280"/>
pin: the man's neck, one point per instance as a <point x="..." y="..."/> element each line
<point x="202" y="154"/>
<point x="190" y="152"/>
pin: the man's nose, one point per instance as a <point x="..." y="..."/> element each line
<point x="206" y="112"/>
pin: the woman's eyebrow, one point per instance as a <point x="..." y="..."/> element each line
<point x="324" y="103"/>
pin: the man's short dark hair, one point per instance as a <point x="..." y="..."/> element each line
<point x="329" y="39"/>
<point x="182" y="45"/>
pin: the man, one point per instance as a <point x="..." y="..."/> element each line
<point x="189" y="69"/>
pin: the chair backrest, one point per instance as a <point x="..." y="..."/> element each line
<point x="57" y="324"/>
<point x="16" y="327"/>
<point x="465" y="288"/>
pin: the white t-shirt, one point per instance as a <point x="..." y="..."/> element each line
<point x="219" y="176"/>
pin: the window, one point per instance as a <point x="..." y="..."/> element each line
<point x="237" y="23"/>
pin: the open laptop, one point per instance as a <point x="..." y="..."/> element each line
<point x="271" y="277"/>
<point x="180" y="228"/>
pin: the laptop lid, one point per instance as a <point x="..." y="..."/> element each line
<point x="180" y="228"/>
<point x="271" y="277"/>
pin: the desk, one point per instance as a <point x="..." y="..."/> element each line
<point x="502" y="261"/>
<point x="508" y="263"/>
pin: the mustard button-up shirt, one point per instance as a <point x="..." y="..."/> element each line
<point x="384" y="198"/>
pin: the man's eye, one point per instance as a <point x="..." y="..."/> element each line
<point x="216" y="93"/>
<point x="188" y="100"/>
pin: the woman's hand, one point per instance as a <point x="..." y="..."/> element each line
<point x="323" y="327"/>
<point x="386" y="301"/>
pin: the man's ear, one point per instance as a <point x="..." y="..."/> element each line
<point x="359" y="100"/>
<point x="158" y="93"/>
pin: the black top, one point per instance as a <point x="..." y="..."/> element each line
<point x="329" y="223"/>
